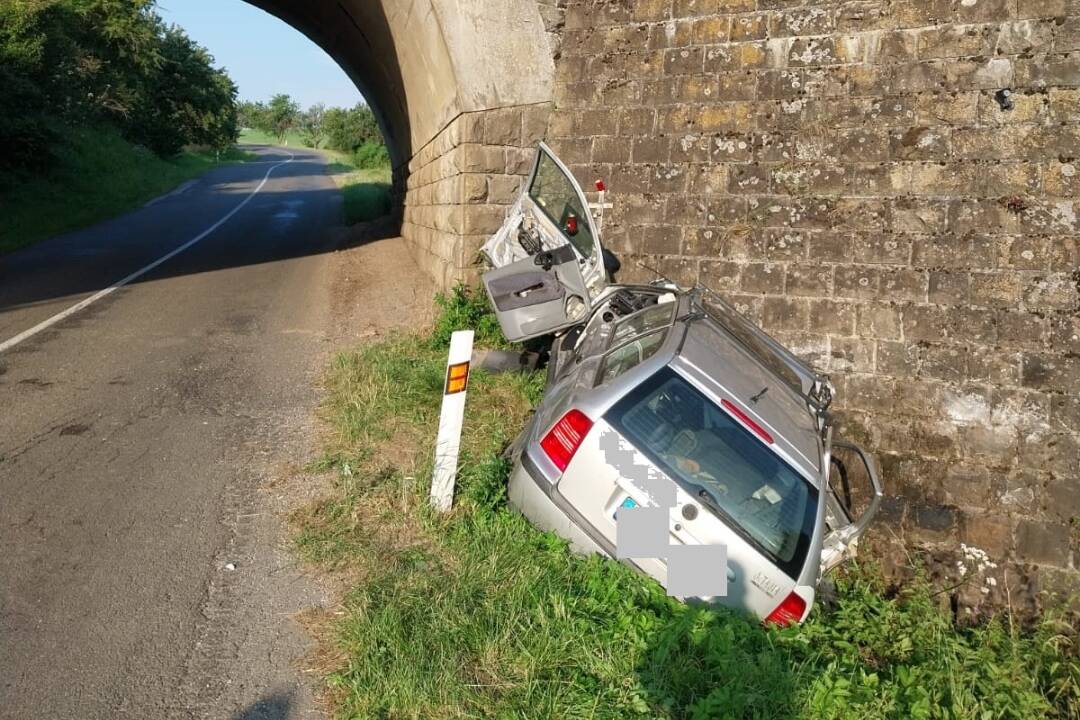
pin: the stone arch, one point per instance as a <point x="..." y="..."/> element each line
<point x="462" y="90"/>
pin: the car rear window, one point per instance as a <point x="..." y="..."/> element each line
<point x="717" y="460"/>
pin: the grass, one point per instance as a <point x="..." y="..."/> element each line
<point x="99" y="175"/>
<point x="477" y="614"/>
<point x="250" y="136"/>
<point x="366" y="191"/>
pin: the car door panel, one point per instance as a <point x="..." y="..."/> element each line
<point x="532" y="300"/>
<point x="551" y="213"/>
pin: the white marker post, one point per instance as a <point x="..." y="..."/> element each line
<point x="448" y="442"/>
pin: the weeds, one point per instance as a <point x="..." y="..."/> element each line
<point x="466" y="308"/>
<point x="477" y="614"/>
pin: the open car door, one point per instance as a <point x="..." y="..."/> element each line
<point x="547" y="258"/>
<point x="851" y="501"/>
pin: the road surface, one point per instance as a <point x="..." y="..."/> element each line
<point x="140" y="576"/>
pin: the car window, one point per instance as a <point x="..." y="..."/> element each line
<point x="555" y="195"/>
<point x="630" y="356"/>
<point x="641" y="322"/>
<point x="717" y="460"/>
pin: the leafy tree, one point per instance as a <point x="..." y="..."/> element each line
<point x="189" y="101"/>
<point x="77" y="62"/>
<point x="312" y="125"/>
<point x="347" y="130"/>
<point x="251" y="114"/>
<point x="284" y="113"/>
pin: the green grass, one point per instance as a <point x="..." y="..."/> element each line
<point x="250" y="136"/>
<point x="366" y="191"/>
<point x="99" y="175"/>
<point x="477" y="614"/>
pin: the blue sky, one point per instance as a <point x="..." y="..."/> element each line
<point x="263" y="55"/>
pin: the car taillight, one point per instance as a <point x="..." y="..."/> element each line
<point x="564" y="439"/>
<point x="787" y="612"/>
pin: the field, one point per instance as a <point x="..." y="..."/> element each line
<point x="477" y="614"/>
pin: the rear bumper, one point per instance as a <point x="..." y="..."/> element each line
<point x="536" y="498"/>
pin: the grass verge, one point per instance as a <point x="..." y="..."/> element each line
<point x="98" y="176"/>
<point x="477" y="614"/>
<point x="250" y="136"/>
<point x="366" y="190"/>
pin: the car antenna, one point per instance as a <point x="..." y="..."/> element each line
<point x="760" y="395"/>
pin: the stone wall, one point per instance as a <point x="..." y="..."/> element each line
<point x="460" y="184"/>
<point x="852" y="176"/>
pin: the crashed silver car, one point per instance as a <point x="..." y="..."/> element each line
<point x="735" y="425"/>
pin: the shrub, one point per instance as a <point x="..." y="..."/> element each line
<point x="371" y="156"/>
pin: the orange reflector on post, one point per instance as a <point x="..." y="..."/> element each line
<point x="457" y="378"/>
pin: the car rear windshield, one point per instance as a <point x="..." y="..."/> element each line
<point x="717" y="460"/>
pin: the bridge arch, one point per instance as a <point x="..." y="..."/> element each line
<point x="462" y="90"/>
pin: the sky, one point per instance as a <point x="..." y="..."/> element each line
<point x="264" y="56"/>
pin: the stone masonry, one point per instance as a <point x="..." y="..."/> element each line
<point x="460" y="184"/>
<point x="888" y="186"/>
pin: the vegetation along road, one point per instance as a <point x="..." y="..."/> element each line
<point x="140" y="578"/>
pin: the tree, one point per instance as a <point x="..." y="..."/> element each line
<point x="251" y="114"/>
<point x="283" y="115"/>
<point x="347" y="130"/>
<point x="77" y="62"/>
<point x="188" y="101"/>
<point x="312" y="124"/>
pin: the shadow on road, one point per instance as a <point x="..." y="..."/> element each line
<point x="298" y="214"/>
<point x="272" y="707"/>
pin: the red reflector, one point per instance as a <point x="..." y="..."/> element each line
<point x="564" y="439"/>
<point x="745" y="420"/>
<point x="787" y="612"/>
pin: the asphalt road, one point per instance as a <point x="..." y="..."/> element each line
<point x="136" y="436"/>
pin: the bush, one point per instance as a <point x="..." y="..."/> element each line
<point x="371" y="156"/>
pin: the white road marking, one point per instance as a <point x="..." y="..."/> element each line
<point x="45" y="324"/>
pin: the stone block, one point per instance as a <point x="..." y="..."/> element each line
<point x="767" y="278"/>
<point x="990" y="533"/>
<point x="838" y="318"/>
<point x="935" y="522"/>
<point x="1042" y="542"/>
<point x="809" y="280"/>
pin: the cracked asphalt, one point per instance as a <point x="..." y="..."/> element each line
<point x="142" y="441"/>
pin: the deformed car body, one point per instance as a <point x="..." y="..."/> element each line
<point x="693" y="390"/>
